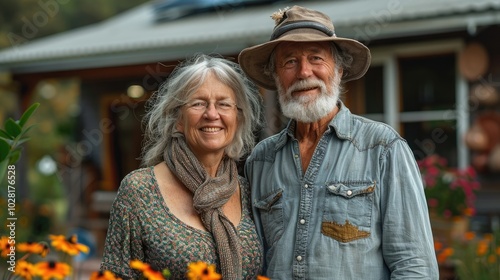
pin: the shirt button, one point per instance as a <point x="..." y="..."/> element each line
<point x="306" y="186"/>
<point x="302" y="221"/>
<point x="299" y="258"/>
<point x="349" y="192"/>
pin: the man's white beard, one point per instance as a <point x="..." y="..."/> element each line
<point x="308" y="109"/>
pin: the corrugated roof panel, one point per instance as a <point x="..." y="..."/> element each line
<point x="134" y="36"/>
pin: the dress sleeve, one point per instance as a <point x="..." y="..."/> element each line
<point x="407" y="241"/>
<point x="123" y="241"/>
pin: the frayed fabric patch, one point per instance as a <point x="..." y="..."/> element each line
<point x="344" y="233"/>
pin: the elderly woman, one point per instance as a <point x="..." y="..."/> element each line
<point x="189" y="204"/>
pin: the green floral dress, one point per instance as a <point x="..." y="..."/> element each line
<point x="142" y="227"/>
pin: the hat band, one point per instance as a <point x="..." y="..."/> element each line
<point x="302" y="24"/>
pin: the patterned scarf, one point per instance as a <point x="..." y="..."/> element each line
<point x="209" y="195"/>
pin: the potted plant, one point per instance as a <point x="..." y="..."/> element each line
<point x="451" y="194"/>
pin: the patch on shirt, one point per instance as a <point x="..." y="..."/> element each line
<point x="344" y="233"/>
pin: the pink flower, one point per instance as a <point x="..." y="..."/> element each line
<point x="447" y="213"/>
<point x="433" y="171"/>
<point x="432" y="202"/>
<point x="449" y="191"/>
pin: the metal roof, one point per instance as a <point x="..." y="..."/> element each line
<point x="134" y="37"/>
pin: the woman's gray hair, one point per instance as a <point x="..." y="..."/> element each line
<point x="343" y="60"/>
<point x="164" y="108"/>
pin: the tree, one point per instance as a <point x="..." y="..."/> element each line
<point x="26" y="20"/>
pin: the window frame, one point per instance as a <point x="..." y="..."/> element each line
<point x="387" y="56"/>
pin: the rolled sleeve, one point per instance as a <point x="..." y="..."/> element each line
<point x="407" y="242"/>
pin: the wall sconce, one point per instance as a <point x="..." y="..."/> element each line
<point x="135" y="91"/>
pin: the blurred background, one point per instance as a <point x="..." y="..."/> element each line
<point x="434" y="77"/>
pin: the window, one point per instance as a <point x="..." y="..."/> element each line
<point x="415" y="88"/>
<point x="427" y="95"/>
<point x="366" y="96"/>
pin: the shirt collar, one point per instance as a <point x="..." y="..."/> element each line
<point x="342" y="122"/>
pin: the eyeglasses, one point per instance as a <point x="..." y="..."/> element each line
<point x="200" y="106"/>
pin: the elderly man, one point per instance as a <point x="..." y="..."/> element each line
<point x="335" y="195"/>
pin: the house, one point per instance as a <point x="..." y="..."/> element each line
<point x="428" y="58"/>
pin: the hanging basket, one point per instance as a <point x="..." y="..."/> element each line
<point x="473" y="61"/>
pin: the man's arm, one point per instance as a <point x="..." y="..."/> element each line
<point x="407" y="242"/>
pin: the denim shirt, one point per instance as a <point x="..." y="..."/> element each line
<point x="357" y="212"/>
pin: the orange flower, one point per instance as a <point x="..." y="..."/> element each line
<point x="444" y="255"/>
<point x="51" y="269"/>
<point x="498" y="251"/>
<point x="34" y="248"/>
<point x="69" y="245"/>
<point x="492" y="259"/>
<point x="147" y="270"/>
<point x="25" y="269"/>
<point x="202" y="271"/>
<point x="260" y="277"/>
<point x="152" y="274"/>
<point x="469" y="211"/>
<point x="438" y="246"/>
<point x="488" y="237"/>
<point x="104" y="275"/>
<point x="470" y="235"/>
<point x="482" y="248"/>
<point x="137" y="264"/>
<point x="6" y="246"/>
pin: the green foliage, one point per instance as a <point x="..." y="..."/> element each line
<point x="22" y="21"/>
<point x="11" y="138"/>
<point x="478" y="257"/>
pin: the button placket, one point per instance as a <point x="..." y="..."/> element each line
<point x="301" y="241"/>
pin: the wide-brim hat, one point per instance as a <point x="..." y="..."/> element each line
<point x="299" y="24"/>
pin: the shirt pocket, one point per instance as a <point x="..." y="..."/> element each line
<point x="270" y="208"/>
<point x="347" y="212"/>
